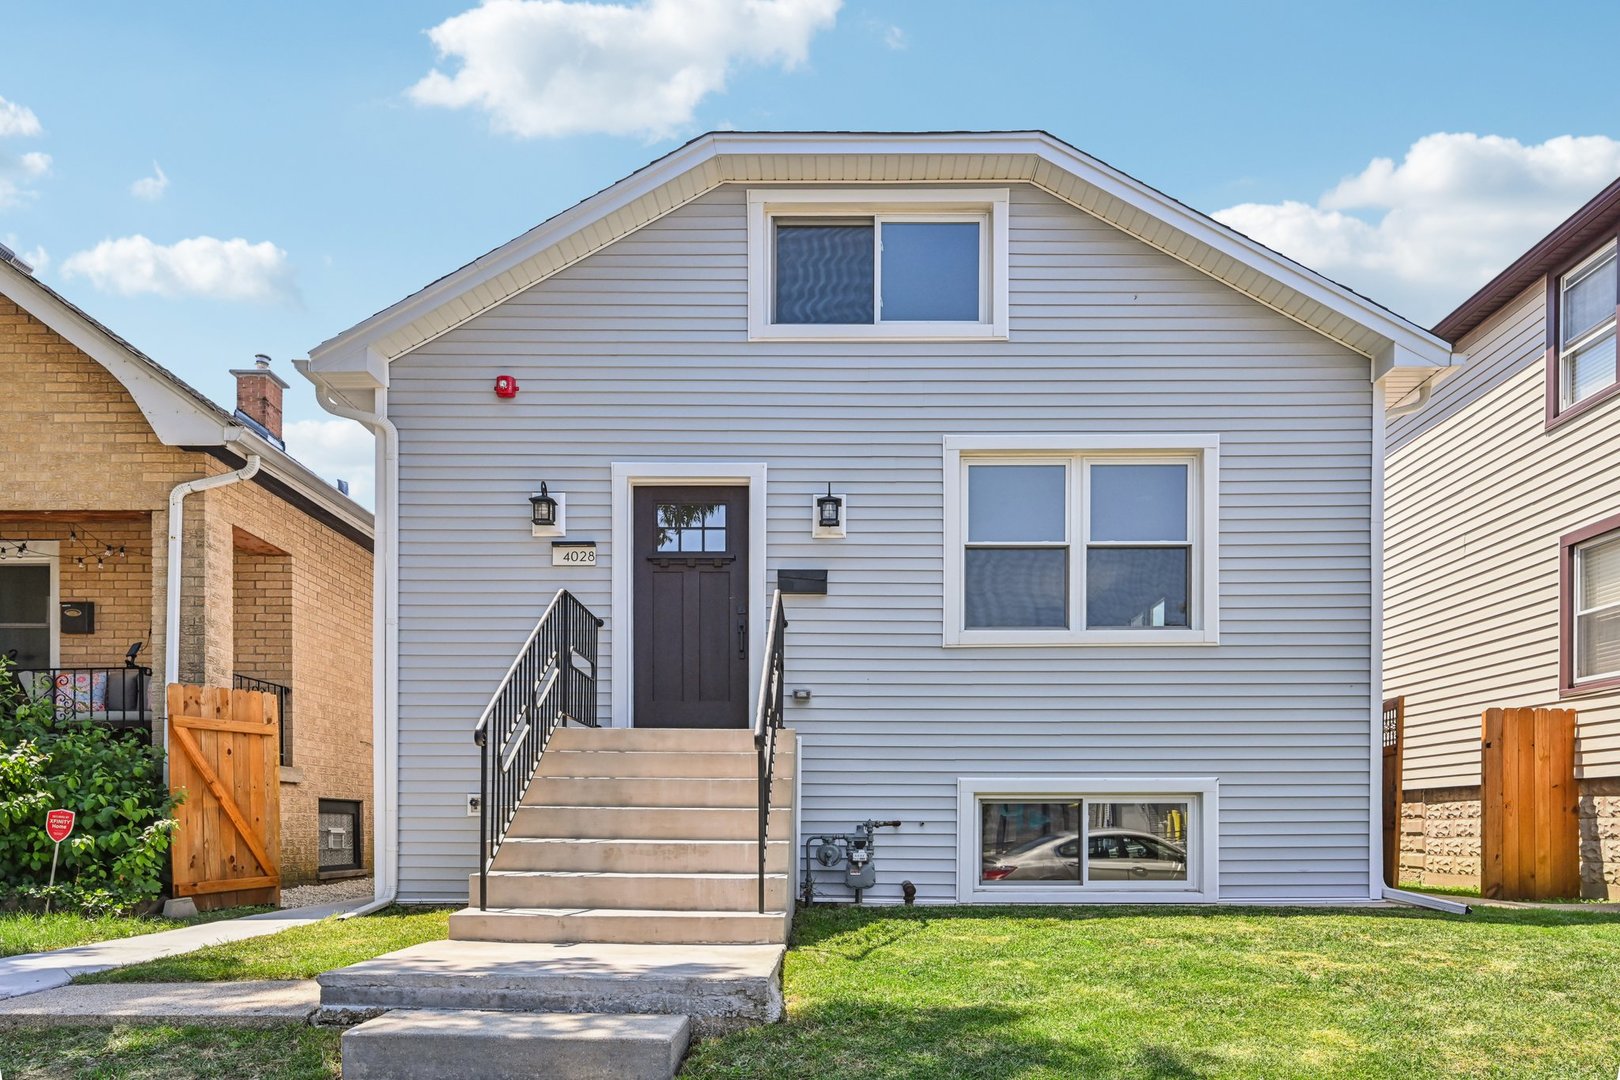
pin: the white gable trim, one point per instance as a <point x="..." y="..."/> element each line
<point x="849" y="159"/>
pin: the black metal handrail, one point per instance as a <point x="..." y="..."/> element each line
<point x="283" y="703"/>
<point x="114" y="696"/>
<point x="552" y="682"/>
<point x="767" y="722"/>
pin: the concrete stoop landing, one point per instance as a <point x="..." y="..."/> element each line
<point x="623" y="920"/>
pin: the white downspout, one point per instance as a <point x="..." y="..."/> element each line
<point x="1425" y="388"/>
<point x="171" y="616"/>
<point x="385" y="645"/>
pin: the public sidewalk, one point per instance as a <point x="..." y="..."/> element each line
<point x="33" y="972"/>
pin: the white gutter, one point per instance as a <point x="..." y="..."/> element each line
<point x="1424" y="900"/>
<point x="171" y="618"/>
<point x="384" y="644"/>
<point x="1425" y="388"/>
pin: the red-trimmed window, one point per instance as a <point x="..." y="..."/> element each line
<point x="1583" y="366"/>
<point x="1590" y="569"/>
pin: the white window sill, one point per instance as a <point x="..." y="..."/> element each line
<point x="918" y="331"/>
<point x="1176" y="636"/>
<point x="1174" y="893"/>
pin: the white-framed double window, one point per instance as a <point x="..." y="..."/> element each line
<point x="898" y="263"/>
<point x="1057" y="540"/>
<point x="1044" y="840"/>
<point x="1587" y="298"/>
<point x="30" y="608"/>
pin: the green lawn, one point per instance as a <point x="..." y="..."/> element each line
<point x="167" y="1053"/>
<point x="1055" y="994"/>
<point x="23" y="932"/>
<point x="300" y="953"/>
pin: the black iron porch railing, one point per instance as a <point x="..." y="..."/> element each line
<point x="767" y="722"/>
<point x="114" y="696"/>
<point x="552" y="682"/>
<point x="283" y="702"/>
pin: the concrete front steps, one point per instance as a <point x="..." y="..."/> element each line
<point x="622" y="919"/>
<point x="721" y="988"/>
<point x="444" y="1044"/>
<point x="643" y="835"/>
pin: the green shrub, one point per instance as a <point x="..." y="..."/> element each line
<point x="113" y="863"/>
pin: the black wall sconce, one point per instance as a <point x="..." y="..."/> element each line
<point x="547" y="513"/>
<point x="830" y="513"/>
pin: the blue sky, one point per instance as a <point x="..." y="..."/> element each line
<point x="315" y="186"/>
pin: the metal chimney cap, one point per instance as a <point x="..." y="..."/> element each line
<point x="261" y="360"/>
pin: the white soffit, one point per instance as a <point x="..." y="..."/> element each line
<point x="762" y="158"/>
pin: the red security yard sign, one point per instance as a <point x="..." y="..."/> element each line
<point x="58" y="826"/>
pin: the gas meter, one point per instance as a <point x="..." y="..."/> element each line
<point x="855" y="851"/>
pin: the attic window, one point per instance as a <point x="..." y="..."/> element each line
<point x="923" y="264"/>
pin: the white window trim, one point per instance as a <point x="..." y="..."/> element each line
<point x="1571" y="350"/>
<point x="628" y="475"/>
<point x="1205" y="448"/>
<point x="1577" y="611"/>
<point x="915" y="203"/>
<point x="46" y="553"/>
<point x="1202" y="794"/>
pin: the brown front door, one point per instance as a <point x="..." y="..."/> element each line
<point x="691" y="607"/>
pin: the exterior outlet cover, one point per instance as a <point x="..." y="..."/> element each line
<point x="472" y="805"/>
<point x="819" y="532"/>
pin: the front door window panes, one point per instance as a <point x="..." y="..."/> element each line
<point x="691" y="528"/>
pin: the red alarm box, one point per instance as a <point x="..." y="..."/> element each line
<point x="505" y="386"/>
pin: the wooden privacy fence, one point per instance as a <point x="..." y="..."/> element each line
<point x="225" y="753"/>
<point x="1530" y="828"/>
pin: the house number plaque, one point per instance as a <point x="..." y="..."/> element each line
<point x="564" y="554"/>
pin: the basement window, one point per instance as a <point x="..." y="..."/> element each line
<point x="1077" y="839"/>
<point x="923" y="264"/>
<point x="339" y="842"/>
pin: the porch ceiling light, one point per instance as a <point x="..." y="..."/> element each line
<point x="545" y="508"/>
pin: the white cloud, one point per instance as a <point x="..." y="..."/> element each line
<point x="546" y="67"/>
<point x="895" y="38"/>
<point x="151" y="188"/>
<point x="18" y="119"/>
<point x="201" y="266"/>
<point x="336" y="450"/>
<point x="18" y="173"/>
<point x="1422" y="234"/>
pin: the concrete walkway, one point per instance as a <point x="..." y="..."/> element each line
<point x="32" y="972"/>
<point x="225" y="1004"/>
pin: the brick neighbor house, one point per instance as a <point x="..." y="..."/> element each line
<point x="276" y="587"/>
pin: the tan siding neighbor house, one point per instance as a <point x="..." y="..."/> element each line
<point x="276" y="586"/>
<point x="1503" y="546"/>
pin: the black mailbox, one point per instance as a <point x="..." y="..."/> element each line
<point x="802" y="582"/>
<point x="78" y="617"/>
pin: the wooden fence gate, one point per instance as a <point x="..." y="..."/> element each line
<point x="1393" y="731"/>
<point x="224" y="752"/>
<point x="1530" y="825"/>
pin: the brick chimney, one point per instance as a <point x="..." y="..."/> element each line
<point x="258" y="394"/>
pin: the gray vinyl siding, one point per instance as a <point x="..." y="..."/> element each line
<point x="1478" y="494"/>
<point x="640" y="353"/>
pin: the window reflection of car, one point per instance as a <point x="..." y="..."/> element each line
<point x="1123" y="855"/>
<point x="1112" y="854"/>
